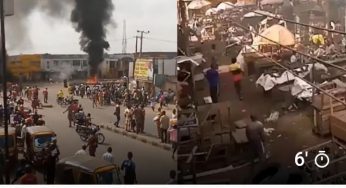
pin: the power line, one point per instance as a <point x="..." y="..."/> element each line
<point x="115" y="40"/>
<point x="291" y="49"/>
<point x="302" y="24"/>
<point x="162" y="40"/>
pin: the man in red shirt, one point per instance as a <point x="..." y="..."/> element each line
<point x="29" y="177"/>
<point x="237" y="75"/>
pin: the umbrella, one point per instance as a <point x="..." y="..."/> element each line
<point x="198" y="4"/>
<point x="225" y="6"/>
<point x="278" y="34"/>
<point x="271" y="2"/>
<point x="211" y="11"/>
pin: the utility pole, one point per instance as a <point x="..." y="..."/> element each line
<point x="141" y="38"/>
<point x="135" y="59"/>
<point x="136" y="53"/>
<point x="4" y="84"/>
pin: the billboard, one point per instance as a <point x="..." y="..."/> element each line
<point x="144" y="69"/>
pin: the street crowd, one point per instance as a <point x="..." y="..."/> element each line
<point x="23" y="116"/>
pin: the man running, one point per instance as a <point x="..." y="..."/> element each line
<point x="237" y="76"/>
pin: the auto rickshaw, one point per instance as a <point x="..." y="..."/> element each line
<point x="12" y="144"/>
<point x="84" y="169"/>
<point x="37" y="139"/>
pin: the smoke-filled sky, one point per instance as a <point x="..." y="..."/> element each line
<point x="44" y="26"/>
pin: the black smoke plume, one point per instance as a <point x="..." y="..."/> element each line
<point x="91" y="18"/>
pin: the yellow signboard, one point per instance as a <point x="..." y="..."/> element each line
<point x="143" y="69"/>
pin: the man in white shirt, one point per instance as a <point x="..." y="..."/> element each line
<point x="82" y="151"/>
<point x="108" y="156"/>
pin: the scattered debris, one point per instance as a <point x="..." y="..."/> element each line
<point x="292" y="107"/>
<point x="274" y="116"/>
<point x="279" y="135"/>
<point x="268" y="131"/>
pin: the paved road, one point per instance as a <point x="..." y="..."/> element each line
<point x="104" y="114"/>
<point x="153" y="164"/>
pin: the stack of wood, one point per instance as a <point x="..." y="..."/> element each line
<point x="215" y="125"/>
<point x="325" y="106"/>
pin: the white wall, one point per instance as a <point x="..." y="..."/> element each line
<point x="167" y="67"/>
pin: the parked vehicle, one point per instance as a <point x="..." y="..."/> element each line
<point x="84" y="169"/>
<point x="12" y="144"/>
<point x="37" y="138"/>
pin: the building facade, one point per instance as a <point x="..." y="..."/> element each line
<point x="25" y="67"/>
<point x="115" y="66"/>
<point x="59" y="67"/>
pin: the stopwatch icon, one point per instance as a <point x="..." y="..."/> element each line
<point x="322" y="159"/>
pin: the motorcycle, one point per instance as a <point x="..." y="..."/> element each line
<point x="85" y="132"/>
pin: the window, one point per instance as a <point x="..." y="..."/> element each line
<point x="56" y="62"/>
<point x="34" y="63"/>
<point x="85" y="63"/>
<point x="76" y="63"/>
<point x="47" y="64"/>
<point x="112" y="64"/>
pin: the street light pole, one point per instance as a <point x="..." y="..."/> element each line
<point x="4" y="84"/>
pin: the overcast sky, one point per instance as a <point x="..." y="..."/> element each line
<point x="47" y="34"/>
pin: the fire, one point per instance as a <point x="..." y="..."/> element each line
<point x="92" y="80"/>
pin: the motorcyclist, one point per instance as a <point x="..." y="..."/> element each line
<point x="88" y="120"/>
<point x="60" y="95"/>
<point x="80" y="117"/>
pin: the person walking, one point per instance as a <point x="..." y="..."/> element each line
<point x="130" y="170"/>
<point x="255" y="134"/>
<point x="213" y="78"/>
<point x="157" y="124"/>
<point x="45" y="95"/>
<point x="108" y="156"/>
<point x="237" y="74"/>
<point x="142" y="119"/>
<point x="81" y="151"/>
<point x="71" y="110"/>
<point x="94" y="96"/>
<point x="128" y="118"/>
<point x="53" y="157"/>
<point x="92" y="144"/>
<point x="173" y="138"/>
<point x="164" y="125"/>
<point x="117" y="114"/>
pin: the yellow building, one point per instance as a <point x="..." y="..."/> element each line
<point x="27" y="67"/>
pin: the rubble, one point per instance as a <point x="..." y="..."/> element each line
<point x="273" y="117"/>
